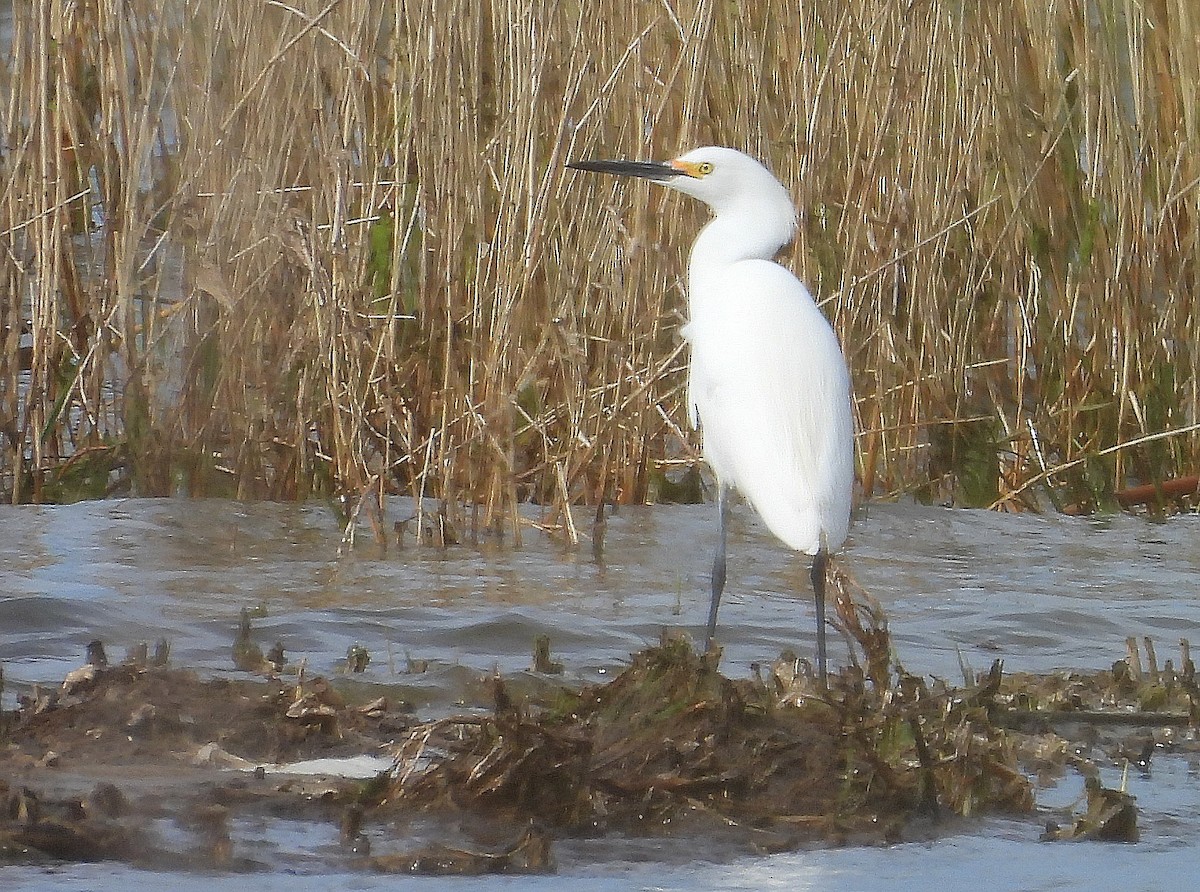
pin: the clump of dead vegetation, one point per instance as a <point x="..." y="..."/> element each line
<point x="671" y="744"/>
<point x="294" y="248"/>
<point x="672" y="747"/>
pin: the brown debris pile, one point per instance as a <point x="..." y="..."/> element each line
<point x="672" y="746"/>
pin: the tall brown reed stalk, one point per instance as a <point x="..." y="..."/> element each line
<point x="275" y="249"/>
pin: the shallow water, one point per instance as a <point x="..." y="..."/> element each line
<point x="1043" y="592"/>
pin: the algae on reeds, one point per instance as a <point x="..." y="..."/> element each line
<point x="282" y="249"/>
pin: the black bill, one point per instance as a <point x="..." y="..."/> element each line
<point x="650" y="170"/>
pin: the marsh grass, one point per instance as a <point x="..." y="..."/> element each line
<point x="280" y="249"/>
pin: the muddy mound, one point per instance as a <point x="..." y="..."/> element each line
<point x="671" y="745"/>
<point x="129" y="714"/>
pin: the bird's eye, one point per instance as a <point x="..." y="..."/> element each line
<point x="704" y="168"/>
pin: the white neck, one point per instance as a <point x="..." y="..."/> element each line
<point x="737" y="234"/>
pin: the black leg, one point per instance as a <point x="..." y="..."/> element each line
<point x="819" y="565"/>
<point x="718" y="570"/>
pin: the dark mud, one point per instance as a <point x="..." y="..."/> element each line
<point x="98" y="768"/>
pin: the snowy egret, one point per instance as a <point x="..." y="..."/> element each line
<point x="767" y="382"/>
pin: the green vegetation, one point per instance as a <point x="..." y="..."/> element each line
<point x="282" y="250"/>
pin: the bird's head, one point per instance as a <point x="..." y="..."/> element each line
<point x="727" y="180"/>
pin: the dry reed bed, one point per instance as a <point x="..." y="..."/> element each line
<point x="270" y="249"/>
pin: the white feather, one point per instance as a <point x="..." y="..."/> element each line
<point x="767" y="385"/>
<point x="771" y="393"/>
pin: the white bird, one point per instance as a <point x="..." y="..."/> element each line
<point x="768" y="385"/>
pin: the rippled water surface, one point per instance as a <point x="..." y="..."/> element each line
<point x="1042" y="592"/>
